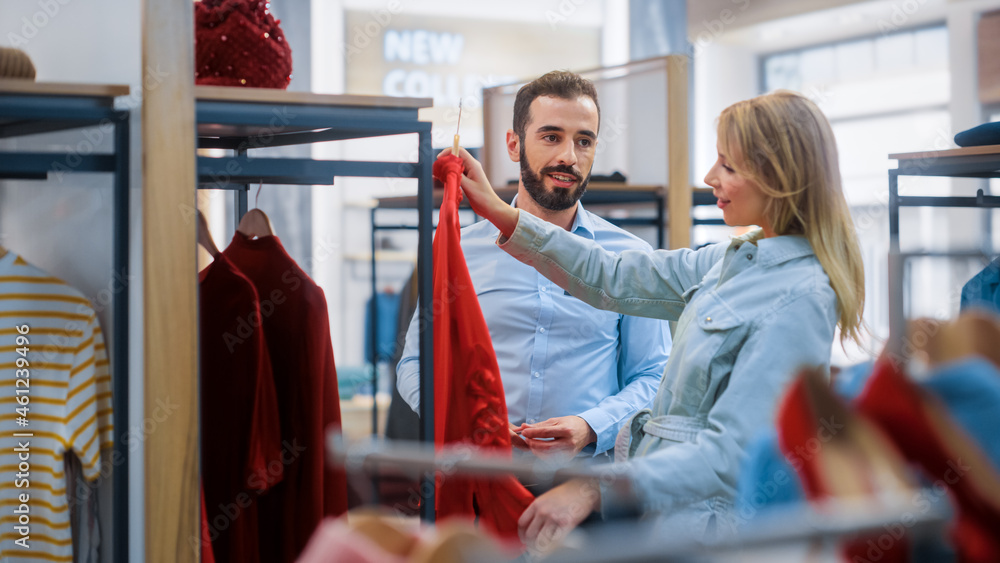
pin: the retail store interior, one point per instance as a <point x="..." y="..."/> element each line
<point x="127" y="144"/>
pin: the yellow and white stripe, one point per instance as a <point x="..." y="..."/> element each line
<point x="70" y="409"/>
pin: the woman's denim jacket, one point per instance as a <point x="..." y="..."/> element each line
<point x="750" y="312"/>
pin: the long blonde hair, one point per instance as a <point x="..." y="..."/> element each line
<point x="784" y="143"/>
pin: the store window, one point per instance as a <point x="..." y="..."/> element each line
<point x="883" y="94"/>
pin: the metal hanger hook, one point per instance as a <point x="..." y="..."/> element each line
<point x="256" y="199"/>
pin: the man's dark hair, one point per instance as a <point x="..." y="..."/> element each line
<point x="557" y="84"/>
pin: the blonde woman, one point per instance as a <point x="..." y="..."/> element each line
<point x="750" y="311"/>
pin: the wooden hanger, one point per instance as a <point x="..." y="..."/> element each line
<point x="205" y="236"/>
<point x="255" y="223"/>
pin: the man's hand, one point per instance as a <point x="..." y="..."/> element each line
<point x="515" y="439"/>
<point x="564" y="436"/>
<point x="546" y="521"/>
<point x="483" y="199"/>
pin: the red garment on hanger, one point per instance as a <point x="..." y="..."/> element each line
<point x="297" y="329"/>
<point x="469" y="403"/>
<point x="240" y="431"/>
<point x="206" y="538"/>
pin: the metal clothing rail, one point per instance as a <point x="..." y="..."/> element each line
<point x="28" y="108"/>
<point x="371" y="455"/>
<point x="631" y="540"/>
<point x="373" y="307"/>
<point x="242" y="119"/>
<point x="642" y="541"/>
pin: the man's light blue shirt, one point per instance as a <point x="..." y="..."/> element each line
<point x="557" y="355"/>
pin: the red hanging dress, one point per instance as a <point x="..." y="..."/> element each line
<point x="469" y="404"/>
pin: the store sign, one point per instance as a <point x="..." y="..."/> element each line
<point x="432" y="57"/>
<point x="420" y="48"/>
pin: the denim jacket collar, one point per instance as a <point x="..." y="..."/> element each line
<point x="775" y="250"/>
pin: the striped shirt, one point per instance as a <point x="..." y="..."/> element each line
<point x="55" y="398"/>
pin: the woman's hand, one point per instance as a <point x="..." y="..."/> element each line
<point x="553" y="515"/>
<point x="484" y="201"/>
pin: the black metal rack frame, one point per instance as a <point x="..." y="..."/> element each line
<point x="27" y="113"/>
<point x="239" y="125"/>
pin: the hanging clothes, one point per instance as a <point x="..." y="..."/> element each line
<point x="60" y="366"/>
<point x="294" y="316"/>
<point x="983" y="290"/>
<point x="469" y="403"/>
<point x="207" y="555"/>
<point x="83" y="513"/>
<point x="240" y="429"/>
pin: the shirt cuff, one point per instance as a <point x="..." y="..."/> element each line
<point x="603" y="426"/>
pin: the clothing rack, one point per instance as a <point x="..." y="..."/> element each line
<point x="642" y="541"/>
<point x="631" y="540"/>
<point x="968" y="162"/>
<point x="371" y="455"/>
<point x="28" y="108"/>
<point x="239" y="119"/>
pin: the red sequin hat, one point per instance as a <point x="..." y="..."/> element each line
<point x="239" y="43"/>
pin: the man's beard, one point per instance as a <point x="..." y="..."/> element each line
<point x="559" y="198"/>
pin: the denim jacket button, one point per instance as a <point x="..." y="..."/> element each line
<point x="708" y="319"/>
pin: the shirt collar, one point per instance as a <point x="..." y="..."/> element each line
<point x="583" y="223"/>
<point x="775" y="250"/>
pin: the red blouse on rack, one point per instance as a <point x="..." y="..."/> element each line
<point x="240" y="432"/>
<point x="469" y="404"/>
<point x="297" y="329"/>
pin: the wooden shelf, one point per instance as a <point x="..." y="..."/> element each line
<point x="275" y="96"/>
<point x="985" y="150"/>
<point x="18" y="86"/>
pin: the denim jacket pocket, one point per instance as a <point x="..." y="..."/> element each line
<point x="714" y="314"/>
<point x="707" y="351"/>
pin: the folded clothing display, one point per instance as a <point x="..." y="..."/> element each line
<point x="985" y="134"/>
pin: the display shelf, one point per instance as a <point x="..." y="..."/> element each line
<point x="966" y="162"/>
<point x="243" y="120"/>
<point x="31" y="108"/>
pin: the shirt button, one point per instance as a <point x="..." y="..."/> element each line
<point x="531" y="421"/>
<point x="749" y="256"/>
<point x="542" y="329"/>
<point x="536" y="374"/>
<point x="708" y="319"/>
<point x="543" y="288"/>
